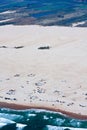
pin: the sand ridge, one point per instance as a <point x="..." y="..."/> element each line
<point x="44" y="67"/>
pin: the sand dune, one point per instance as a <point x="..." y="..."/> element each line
<point x="44" y="67"/>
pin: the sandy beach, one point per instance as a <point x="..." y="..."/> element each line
<point x="44" y="67"/>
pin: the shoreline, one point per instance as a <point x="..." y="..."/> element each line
<point x="45" y="68"/>
<point x="24" y="107"/>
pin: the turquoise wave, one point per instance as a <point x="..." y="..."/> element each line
<point x="37" y="119"/>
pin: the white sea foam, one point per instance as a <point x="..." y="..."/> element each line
<point x="8" y="12"/>
<point x="20" y="126"/>
<point x="7" y="20"/>
<point x="49" y="127"/>
<point x="30" y="114"/>
<point x="75" y="123"/>
<point x="78" y="23"/>
<point x="4" y="120"/>
<point x="2" y="124"/>
<point x="45" y="117"/>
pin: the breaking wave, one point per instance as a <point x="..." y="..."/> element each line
<point x="35" y="119"/>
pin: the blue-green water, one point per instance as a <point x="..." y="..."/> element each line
<point x="35" y="119"/>
<point x="44" y="12"/>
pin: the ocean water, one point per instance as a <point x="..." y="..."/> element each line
<point x="37" y="119"/>
<point x="43" y="12"/>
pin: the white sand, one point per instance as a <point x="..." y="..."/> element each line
<point x="55" y="77"/>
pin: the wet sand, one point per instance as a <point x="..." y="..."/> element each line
<point x="44" y="67"/>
